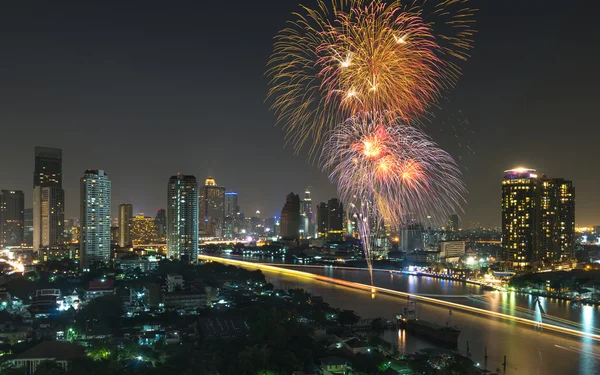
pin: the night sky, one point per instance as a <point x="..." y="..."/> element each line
<point x="147" y="89"/>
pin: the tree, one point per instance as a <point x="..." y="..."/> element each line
<point x="103" y="313"/>
<point x="347" y="317"/>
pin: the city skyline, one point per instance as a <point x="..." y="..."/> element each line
<point x="148" y="92"/>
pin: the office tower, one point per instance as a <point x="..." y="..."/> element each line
<point x="290" y="217"/>
<point x="538" y="218"/>
<point x="452" y="223"/>
<point x="411" y="237"/>
<point x="12" y="218"/>
<point x="520" y="216"/>
<point x="143" y="230"/>
<point x="557" y="235"/>
<point x="160" y="220"/>
<point x="95" y="218"/>
<point x="307" y="220"/>
<point x="335" y="217"/>
<point x="212" y="208"/>
<point x="48" y="198"/>
<point x="182" y="218"/>
<point x="125" y="216"/>
<point x="231" y="212"/>
<point x="114" y="235"/>
<point x="322" y="220"/>
<point x="231" y="204"/>
<point x="28" y="234"/>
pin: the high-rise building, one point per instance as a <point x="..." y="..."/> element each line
<point x="411" y="237"/>
<point x="28" y="235"/>
<point x="307" y="220"/>
<point x="520" y="216"/>
<point x="557" y="204"/>
<point x="48" y="198"/>
<point x="452" y="223"/>
<point x="125" y="216"/>
<point x="12" y="218"/>
<point x="160" y="220"/>
<point x="143" y="230"/>
<point x="538" y="218"/>
<point x="212" y="208"/>
<point x="95" y="218"/>
<point x="322" y="220"/>
<point x="231" y="204"/>
<point x="290" y="217"/>
<point x="335" y="217"/>
<point x="182" y="218"/>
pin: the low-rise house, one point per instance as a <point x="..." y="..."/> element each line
<point x="357" y="346"/>
<point x="220" y="327"/>
<point x="99" y="288"/>
<point x="334" y="366"/>
<point x="62" y="353"/>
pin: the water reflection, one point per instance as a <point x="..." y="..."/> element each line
<point x="588" y="357"/>
<point x="528" y="351"/>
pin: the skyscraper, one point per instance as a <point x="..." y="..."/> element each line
<point x="143" y="230"/>
<point x="557" y="204"/>
<point x="335" y="217"/>
<point x="411" y="237"/>
<point x="48" y="198"/>
<point x="95" y="218"/>
<point x="160" y="220"/>
<point x="520" y="216"/>
<point x="125" y="216"/>
<point x="212" y="208"/>
<point x="307" y="220"/>
<point x="538" y="218"/>
<point x="12" y="218"/>
<point x="290" y="217"/>
<point x="231" y="204"/>
<point x="322" y="220"/>
<point x="28" y="236"/>
<point x="182" y="218"/>
<point x="452" y="223"/>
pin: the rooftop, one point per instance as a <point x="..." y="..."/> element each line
<point x="54" y="349"/>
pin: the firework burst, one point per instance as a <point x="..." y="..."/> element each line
<point x="351" y="56"/>
<point x="391" y="173"/>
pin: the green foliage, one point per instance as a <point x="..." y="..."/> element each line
<point x="102" y="314"/>
<point x="347" y="317"/>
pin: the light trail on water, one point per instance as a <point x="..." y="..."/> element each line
<point x="390" y="292"/>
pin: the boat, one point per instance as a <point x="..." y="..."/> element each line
<point x="445" y="335"/>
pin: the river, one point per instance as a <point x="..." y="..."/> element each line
<point x="528" y="350"/>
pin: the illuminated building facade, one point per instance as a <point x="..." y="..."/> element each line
<point x="307" y="220"/>
<point x="143" y="230"/>
<point x="557" y="203"/>
<point x="95" y="218"/>
<point x="48" y="198"/>
<point x="520" y="216"/>
<point x="290" y="217"/>
<point x="125" y="216"/>
<point x="12" y="218"/>
<point x="182" y="218"/>
<point x="538" y="218"/>
<point x="212" y="208"/>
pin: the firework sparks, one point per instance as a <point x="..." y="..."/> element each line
<point x="355" y="56"/>
<point x="390" y="173"/>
